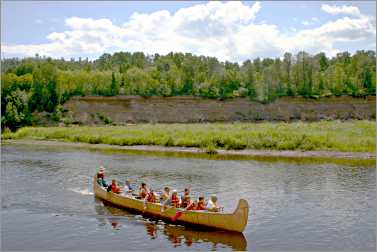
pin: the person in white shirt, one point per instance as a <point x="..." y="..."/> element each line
<point x="212" y="204"/>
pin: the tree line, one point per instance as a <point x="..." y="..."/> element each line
<point x="42" y="84"/>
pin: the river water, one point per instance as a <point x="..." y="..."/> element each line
<point x="48" y="204"/>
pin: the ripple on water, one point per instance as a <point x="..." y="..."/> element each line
<point x="292" y="206"/>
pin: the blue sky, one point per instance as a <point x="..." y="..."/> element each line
<point x="228" y="30"/>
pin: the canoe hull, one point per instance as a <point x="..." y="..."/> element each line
<point x="234" y="222"/>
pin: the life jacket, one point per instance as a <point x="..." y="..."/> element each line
<point x="143" y="193"/>
<point x="114" y="188"/>
<point x="200" y="206"/>
<point x="174" y="201"/>
<point x="191" y="206"/>
<point x="151" y="197"/>
<point x="185" y="201"/>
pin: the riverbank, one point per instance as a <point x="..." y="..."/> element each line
<point x="186" y="150"/>
<point x="334" y="136"/>
<point x="353" y="159"/>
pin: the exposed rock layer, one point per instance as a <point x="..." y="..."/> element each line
<point x="130" y="109"/>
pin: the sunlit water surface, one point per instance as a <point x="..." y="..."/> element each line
<point x="48" y="204"/>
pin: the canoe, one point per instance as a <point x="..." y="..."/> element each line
<point x="235" y="222"/>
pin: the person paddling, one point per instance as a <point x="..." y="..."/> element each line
<point x="212" y="204"/>
<point x="151" y="197"/>
<point x="114" y="187"/>
<point x="201" y="204"/>
<point x="174" y="199"/>
<point x="101" y="177"/>
<point x="143" y="190"/>
<point x="127" y="187"/>
<point x="165" y="195"/>
<point x="101" y="172"/>
<point x="185" y="200"/>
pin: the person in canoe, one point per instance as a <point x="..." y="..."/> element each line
<point x="114" y="187"/>
<point x="191" y="205"/>
<point x="101" y="177"/>
<point x="143" y="190"/>
<point x="151" y="197"/>
<point x="128" y="188"/>
<point x="196" y="205"/>
<point x="185" y="199"/>
<point x="165" y="195"/>
<point x="174" y="199"/>
<point x="212" y="204"/>
<point x="201" y="205"/>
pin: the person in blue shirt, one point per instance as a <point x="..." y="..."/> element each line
<point x="128" y="188"/>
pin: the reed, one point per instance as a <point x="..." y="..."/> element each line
<point x="350" y="136"/>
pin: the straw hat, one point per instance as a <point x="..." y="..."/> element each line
<point x="101" y="168"/>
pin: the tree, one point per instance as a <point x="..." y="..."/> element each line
<point x="114" y="89"/>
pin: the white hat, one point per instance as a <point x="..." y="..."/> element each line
<point x="101" y="168"/>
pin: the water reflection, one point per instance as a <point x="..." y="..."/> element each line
<point x="176" y="235"/>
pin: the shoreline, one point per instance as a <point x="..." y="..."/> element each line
<point x="251" y="153"/>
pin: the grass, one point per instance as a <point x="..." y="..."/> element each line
<point x="349" y="136"/>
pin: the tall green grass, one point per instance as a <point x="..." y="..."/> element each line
<point x="350" y="136"/>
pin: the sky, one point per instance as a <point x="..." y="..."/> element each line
<point x="233" y="31"/>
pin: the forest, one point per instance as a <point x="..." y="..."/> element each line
<point x="37" y="84"/>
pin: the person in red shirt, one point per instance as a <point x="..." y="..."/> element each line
<point x="151" y="197"/>
<point x="143" y="190"/>
<point x="174" y="200"/>
<point x="191" y="205"/>
<point x="185" y="200"/>
<point x="201" y="204"/>
<point x="114" y="187"/>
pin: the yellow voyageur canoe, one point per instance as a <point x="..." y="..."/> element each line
<point x="235" y="221"/>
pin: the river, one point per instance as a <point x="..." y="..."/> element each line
<point x="48" y="204"/>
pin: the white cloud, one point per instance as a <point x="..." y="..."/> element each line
<point x="312" y="21"/>
<point x="210" y="29"/>
<point x="344" y="9"/>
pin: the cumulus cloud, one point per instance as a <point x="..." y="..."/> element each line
<point x="210" y="29"/>
<point x="345" y="9"/>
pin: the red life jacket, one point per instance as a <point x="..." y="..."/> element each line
<point x="175" y="201"/>
<point x="200" y="206"/>
<point x="114" y="188"/>
<point x="185" y="201"/>
<point x="151" y="197"/>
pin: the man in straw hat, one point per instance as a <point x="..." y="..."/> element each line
<point x="101" y="176"/>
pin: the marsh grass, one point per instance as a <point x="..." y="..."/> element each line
<point x="349" y="136"/>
